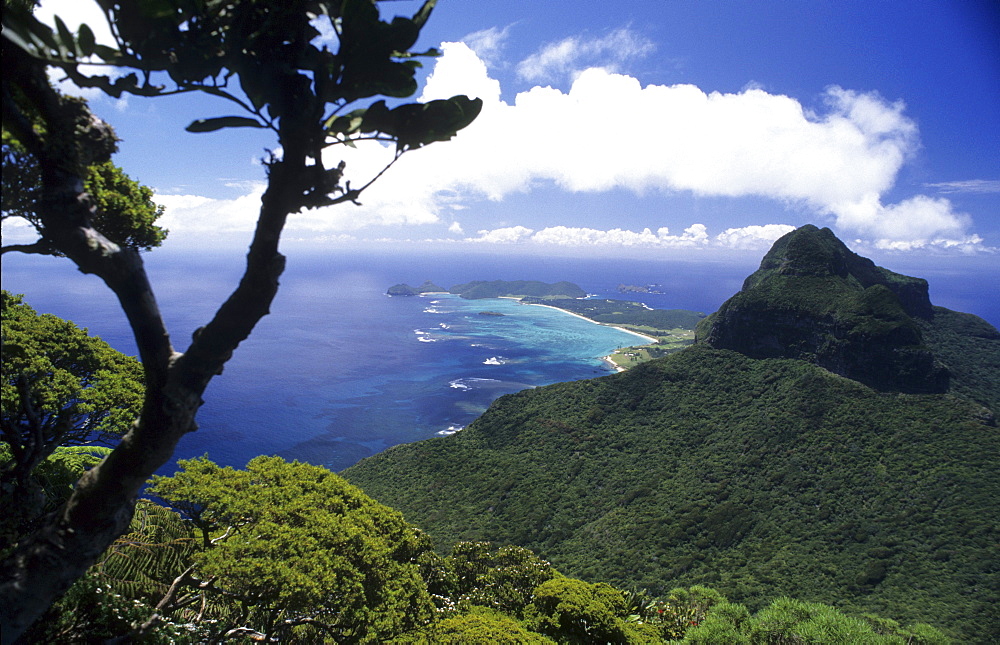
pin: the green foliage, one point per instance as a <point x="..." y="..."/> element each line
<point x="970" y="348"/>
<point x="61" y="388"/>
<point x="815" y="300"/>
<point x="503" y="595"/>
<point x="71" y="385"/>
<point x="792" y="621"/>
<point x="476" y="626"/>
<point x="282" y="69"/>
<point x="143" y="562"/>
<point x="91" y="612"/>
<point x="755" y="477"/>
<point x="503" y="579"/>
<point x="125" y="211"/>
<point x="295" y="542"/>
<point x="573" y="611"/>
<point x="622" y="312"/>
<point x="60" y="470"/>
<point x="119" y="593"/>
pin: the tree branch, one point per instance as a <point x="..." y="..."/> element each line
<point x="41" y="247"/>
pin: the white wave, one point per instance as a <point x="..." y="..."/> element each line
<point x="424" y="337"/>
<point x="450" y="430"/>
<point x="444" y="325"/>
<point x="432" y="310"/>
<point x="495" y="360"/>
<point x="469" y="382"/>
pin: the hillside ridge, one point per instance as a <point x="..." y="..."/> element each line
<point x="814" y="299"/>
<point x="755" y="475"/>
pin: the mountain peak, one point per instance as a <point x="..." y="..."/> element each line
<point x="813" y="251"/>
<point x="816" y="300"/>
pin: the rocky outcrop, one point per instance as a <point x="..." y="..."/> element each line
<point x="407" y="290"/>
<point x="814" y="299"/>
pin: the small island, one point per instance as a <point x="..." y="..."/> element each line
<point x="407" y="290"/>
<point x="635" y="288"/>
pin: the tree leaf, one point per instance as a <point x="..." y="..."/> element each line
<point x="217" y="123"/>
<point x="86" y="40"/>
<point x="66" y="42"/>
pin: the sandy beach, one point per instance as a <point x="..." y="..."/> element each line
<point x="614" y="365"/>
<point x="648" y="339"/>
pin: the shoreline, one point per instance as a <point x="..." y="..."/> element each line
<point x="651" y="340"/>
<point x="613" y="365"/>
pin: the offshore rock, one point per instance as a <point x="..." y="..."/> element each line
<point x="814" y="299"/>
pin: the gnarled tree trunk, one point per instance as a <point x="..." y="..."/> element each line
<point x="71" y="539"/>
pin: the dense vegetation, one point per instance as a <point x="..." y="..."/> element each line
<point x="65" y="396"/>
<point x="846" y="450"/>
<point x="757" y="477"/>
<point x="290" y="552"/>
<point x="814" y="299"/>
<point x="316" y="74"/>
<point x="623" y="313"/>
<point x="969" y="347"/>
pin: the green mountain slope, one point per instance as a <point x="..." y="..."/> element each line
<point x="815" y="300"/>
<point x="756" y="476"/>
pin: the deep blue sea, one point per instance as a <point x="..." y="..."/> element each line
<point x="340" y="371"/>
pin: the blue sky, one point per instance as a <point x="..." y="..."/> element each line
<point x="654" y="126"/>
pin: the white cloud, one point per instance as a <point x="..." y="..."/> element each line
<point x="488" y="43"/>
<point x="610" y="132"/>
<point x="509" y="235"/>
<point x="985" y="186"/>
<point x="916" y="220"/>
<point x="571" y="55"/>
<point x="753" y="237"/>
<point x="195" y="214"/>
<point x="456" y="228"/>
<point x="75" y="13"/>
<point x="695" y="235"/>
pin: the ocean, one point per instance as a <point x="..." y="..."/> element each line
<point x="339" y="371"/>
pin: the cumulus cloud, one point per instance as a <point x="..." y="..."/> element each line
<point x="694" y="236"/>
<point x="608" y="131"/>
<point x="508" y="235"/>
<point x="196" y="214"/>
<point x="752" y="237"/>
<point x="569" y="56"/>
